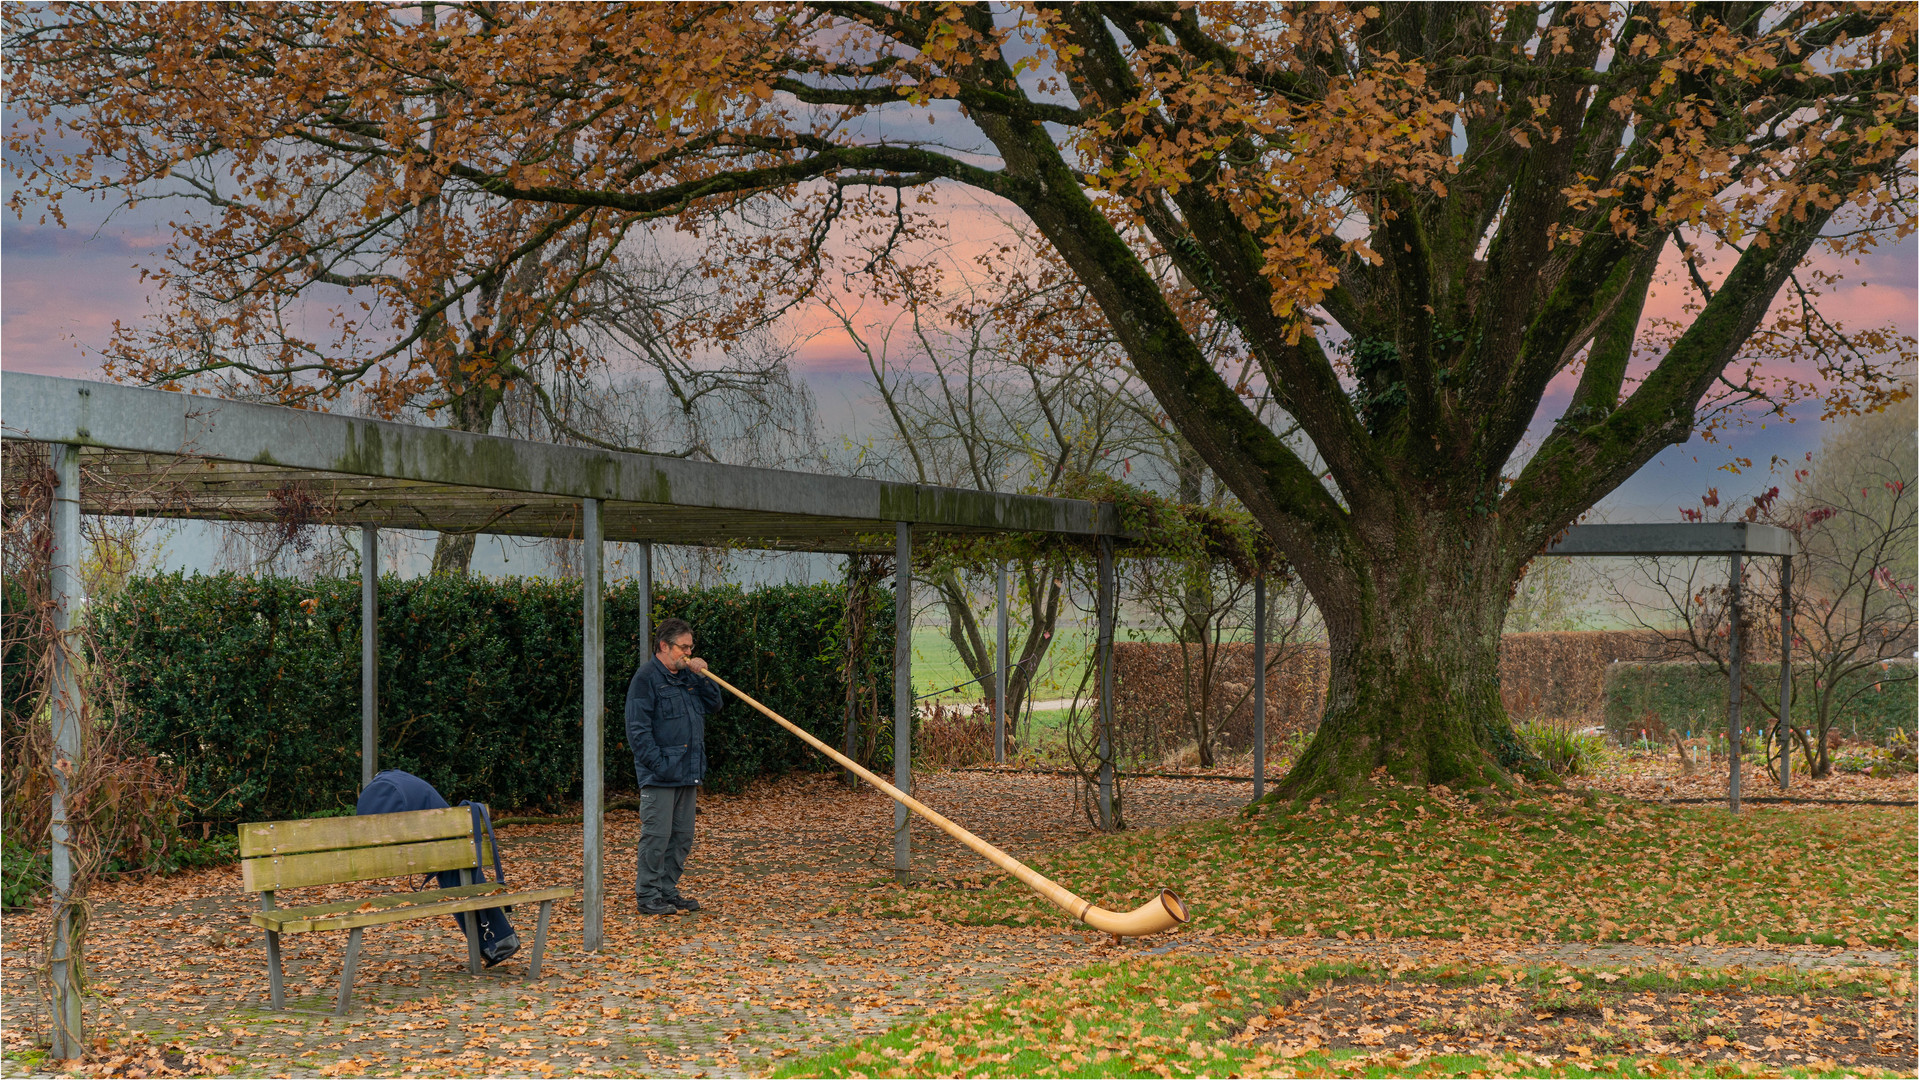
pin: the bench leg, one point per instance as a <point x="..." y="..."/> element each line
<point x="472" y="927"/>
<point x="470" y="922"/>
<point x="346" y="972"/>
<point x="539" y="942"/>
<point x="276" y="986"/>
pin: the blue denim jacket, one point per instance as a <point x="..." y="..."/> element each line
<point x="666" y="724"/>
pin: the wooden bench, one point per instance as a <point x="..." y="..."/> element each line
<point x="277" y="855"/>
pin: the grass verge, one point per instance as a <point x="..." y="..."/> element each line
<point x="1254" y="1016"/>
<point x="1542" y="866"/>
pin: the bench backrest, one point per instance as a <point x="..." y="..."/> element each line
<point x="329" y="851"/>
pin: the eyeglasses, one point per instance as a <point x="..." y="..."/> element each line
<point x="680" y="646"/>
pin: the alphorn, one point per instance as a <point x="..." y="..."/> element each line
<point x="1155" y="916"/>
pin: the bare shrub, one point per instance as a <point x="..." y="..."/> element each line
<point x="955" y="736"/>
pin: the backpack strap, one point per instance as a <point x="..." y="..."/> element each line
<point x="483" y="824"/>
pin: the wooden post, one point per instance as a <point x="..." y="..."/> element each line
<point x="902" y="698"/>
<point x="369" y="654"/>
<point x="593" y="728"/>
<point x="1737" y="668"/>
<point x="1107" y="601"/>
<point x="68" y="713"/>
<point x="1785" y="672"/>
<point x="854" y="645"/>
<point x="1259" y="686"/>
<point x="646" y="601"/>
<point x="1000" y="681"/>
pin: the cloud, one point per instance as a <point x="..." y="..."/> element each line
<point x="61" y="291"/>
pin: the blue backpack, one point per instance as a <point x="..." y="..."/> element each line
<point x="393" y="792"/>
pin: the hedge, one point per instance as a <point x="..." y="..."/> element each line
<point x="251" y="686"/>
<point x="1690" y="696"/>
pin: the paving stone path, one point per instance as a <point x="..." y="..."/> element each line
<point x="769" y="970"/>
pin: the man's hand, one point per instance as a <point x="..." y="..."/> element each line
<point x="696" y="664"/>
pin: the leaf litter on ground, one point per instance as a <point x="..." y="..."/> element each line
<point x="804" y="947"/>
<point x="1294" y="1015"/>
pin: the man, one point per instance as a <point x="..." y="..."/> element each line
<point x="666" y="708"/>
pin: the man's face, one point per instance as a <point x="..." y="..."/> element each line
<point x="674" y="653"/>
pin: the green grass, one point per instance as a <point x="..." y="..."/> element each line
<point x="1397" y="862"/>
<point x="1203" y="1016"/>
<point x="936" y="665"/>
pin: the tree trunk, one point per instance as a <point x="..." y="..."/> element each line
<point x="453" y="553"/>
<point x="1414" y="681"/>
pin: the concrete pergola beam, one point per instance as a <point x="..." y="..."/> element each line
<point x="1677" y="538"/>
<point x="473" y="478"/>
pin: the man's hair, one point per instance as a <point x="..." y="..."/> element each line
<point x="669" y="631"/>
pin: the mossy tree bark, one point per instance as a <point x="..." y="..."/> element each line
<point x="1414" y="682"/>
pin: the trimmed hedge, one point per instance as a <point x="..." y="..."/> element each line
<point x="1684" y="695"/>
<point x="252" y="686"/>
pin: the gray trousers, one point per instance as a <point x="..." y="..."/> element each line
<point x="666" y="835"/>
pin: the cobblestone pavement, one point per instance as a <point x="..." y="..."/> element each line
<point x="767" y="971"/>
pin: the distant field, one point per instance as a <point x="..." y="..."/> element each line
<point x="936" y="665"/>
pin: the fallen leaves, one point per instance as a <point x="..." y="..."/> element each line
<point x="1544" y="865"/>
<point x="138" y="1056"/>
<point x="1296" y="1011"/>
<point x="772" y="970"/>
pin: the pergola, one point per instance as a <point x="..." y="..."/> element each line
<point x="165" y="454"/>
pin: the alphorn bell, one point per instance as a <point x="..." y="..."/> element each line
<point x="1155" y="916"/>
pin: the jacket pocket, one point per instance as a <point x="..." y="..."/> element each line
<point x="674" y="724"/>
<point x="673" y="768"/>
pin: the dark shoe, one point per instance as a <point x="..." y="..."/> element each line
<point x="657" y="907"/>
<point x="684" y="903"/>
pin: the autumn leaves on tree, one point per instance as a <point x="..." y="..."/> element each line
<point x="1411" y="219"/>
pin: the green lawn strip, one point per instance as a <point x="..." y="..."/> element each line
<point x="1179" y="1017"/>
<point x="936" y="665"/>
<point x="1542" y="866"/>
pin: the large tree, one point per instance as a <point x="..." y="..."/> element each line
<point x="1413" y="217"/>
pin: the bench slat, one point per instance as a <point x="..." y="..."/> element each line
<point x="360" y="864"/>
<point x="424" y="896"/>
<point x="261" y="838"/>
<point x="275" y="920"/>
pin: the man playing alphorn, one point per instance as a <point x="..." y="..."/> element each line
<point x="666" y="708"/>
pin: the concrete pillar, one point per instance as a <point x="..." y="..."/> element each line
<point x="999" y="685"/>
<point x="1107" y="601"/>
<point x="369" y="653"/>
<point x="1736" y="665"/>
<point x="69" y="1033"/>
<point x="1259" y="686"/>
<point x="902" y="698"/>
<point x="593" y="725"/>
